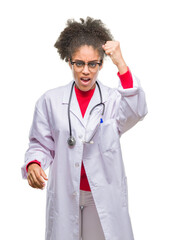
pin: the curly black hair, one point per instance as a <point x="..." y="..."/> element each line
<point x="89" y="32"/>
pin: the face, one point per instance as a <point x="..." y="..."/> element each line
<point x="85" y="79"/>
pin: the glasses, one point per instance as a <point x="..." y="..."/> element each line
<point x="79" y="65"/>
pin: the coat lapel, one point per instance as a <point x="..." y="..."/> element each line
<point x="74" y="105"/>
<point x="92" y="121"/>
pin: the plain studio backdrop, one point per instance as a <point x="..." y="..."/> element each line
<point x="30" y="65"/>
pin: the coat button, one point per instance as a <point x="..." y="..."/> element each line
<point x="74" y="193"/>
<point x="80" y="136"/>
<point x="76" y="164"/>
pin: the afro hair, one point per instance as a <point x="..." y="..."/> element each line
<point x="89" y="32"/>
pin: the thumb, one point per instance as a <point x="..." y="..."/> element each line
<point x="43" y="174"/>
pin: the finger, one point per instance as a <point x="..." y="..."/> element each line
<point x="112" y="45"/>
<point x="43" y="174"/>
<point x="109" y="52"/>
<point x="106" y="47"/>
<point x="31" y="181"/>
<point x="108" y="43"/>
<point x="35" y="180"/>
<point x="39" y="178"/>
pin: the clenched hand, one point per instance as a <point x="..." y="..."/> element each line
<point x="36" y="176"/>
<point x="112" y="48"/>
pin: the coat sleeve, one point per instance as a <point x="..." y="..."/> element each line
<point x="130" y="105"/>
<point x="41" y="143"/>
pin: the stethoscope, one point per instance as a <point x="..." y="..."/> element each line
<point x="71" y="140"/>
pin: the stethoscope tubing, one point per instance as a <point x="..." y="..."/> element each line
<point x="101" y="101"/>
<point x="71" y="140"/>
<point x="70" y="98"/>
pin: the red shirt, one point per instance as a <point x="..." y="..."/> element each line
<point x="83" y="100"/>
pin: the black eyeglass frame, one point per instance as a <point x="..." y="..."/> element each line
<point x="84" y="63"/>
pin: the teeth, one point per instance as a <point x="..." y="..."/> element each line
<point x="85" y="79"/>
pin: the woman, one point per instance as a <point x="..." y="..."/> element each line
<point x="76" y="130"/>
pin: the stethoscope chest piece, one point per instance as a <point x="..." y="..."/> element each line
<point x="71" y="141"/>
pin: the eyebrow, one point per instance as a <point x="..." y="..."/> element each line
<point x="88" y="61"/>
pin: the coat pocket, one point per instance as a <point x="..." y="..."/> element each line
<point x="108" y="136"/>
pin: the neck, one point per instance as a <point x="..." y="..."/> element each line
<point x="84" y="93"/>
<point x="93" y="87"/>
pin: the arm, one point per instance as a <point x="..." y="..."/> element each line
<point x="130" y="102"/>
<point x="126" y="79"/>
<point x="41" y="147"/>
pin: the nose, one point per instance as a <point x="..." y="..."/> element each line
<point x="85" y="69"/>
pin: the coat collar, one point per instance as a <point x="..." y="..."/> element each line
<point x="74" y="106"/>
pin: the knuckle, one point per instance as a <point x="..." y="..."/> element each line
<point x="30" y="173"/>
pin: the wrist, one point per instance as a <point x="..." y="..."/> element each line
<point x="122" y="68"/>
<point x="32" y="166"/>
<point x="32" y="162"/>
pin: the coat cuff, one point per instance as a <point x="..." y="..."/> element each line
<point x="126" y="79"/>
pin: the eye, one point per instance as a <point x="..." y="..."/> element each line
<point x="92" y="64"/>
<point x="79" y="63"/>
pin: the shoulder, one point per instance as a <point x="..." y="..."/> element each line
<point x="108" y="92"/>
<point x="54" y="95"/>
<point x="54" y="92"/>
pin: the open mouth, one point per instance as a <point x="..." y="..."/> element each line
<point x="85" y="79"/>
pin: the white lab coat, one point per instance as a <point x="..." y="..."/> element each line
<point x="102" y="158"/>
